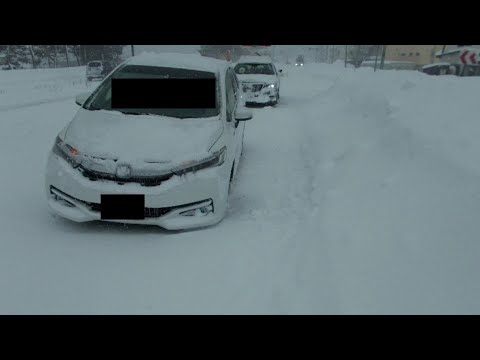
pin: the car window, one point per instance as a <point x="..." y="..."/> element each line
<point x="101" y="99"/>
<point x="250" y="69"/>
<point x="231" y="94"/>
<point x="236" y="84"/>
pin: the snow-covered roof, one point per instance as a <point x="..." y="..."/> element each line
<point x="176" y="60"/>
<point x="255" y="59"/>
<point x="447" y="52"/>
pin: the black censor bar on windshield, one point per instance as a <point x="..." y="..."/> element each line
<point x="164" y="93"/>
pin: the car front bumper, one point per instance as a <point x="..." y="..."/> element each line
<point x="261" y="97"/>
<point x="75" y="197"/>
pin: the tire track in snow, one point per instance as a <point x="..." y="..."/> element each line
<point x="315" y="254"/>
<point x="300" y="238"/>
<point x="312" y="252"/>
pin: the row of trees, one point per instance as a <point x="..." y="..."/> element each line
<point x="77" y="55"/>
<point x="231" y="52"/>
<point x="356" y="54"/>
<point x="58" y="55"/>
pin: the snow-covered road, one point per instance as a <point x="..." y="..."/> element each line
<point x="358" y="193"/>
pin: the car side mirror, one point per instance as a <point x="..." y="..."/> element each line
<point x="243" y="114"/>
<point x="280" y="71"/>
<point x="81" y="98"/>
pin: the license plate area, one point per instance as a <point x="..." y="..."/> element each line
<point x="122" y="207"/>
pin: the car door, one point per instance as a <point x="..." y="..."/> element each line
<point x="236" y="128"/>
<point x="277" y="75"/>
<point x="240" y="125"/>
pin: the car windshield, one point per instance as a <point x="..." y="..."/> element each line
<point x="102" y="97"/>
<point x="247" y="69"/>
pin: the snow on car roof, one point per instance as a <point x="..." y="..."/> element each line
<point x="456" y="50"/>
<point x="255" y="60"/>
<point x="176" y="60"/>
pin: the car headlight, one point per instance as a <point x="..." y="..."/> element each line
<point x="270" y="86"/>
<point x="216" y="159"/>
<point x="65" y="151"/>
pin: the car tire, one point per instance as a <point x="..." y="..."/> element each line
<point x="231" y="179"/>
<point x="232" y="172"/>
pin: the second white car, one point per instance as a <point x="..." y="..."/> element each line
<point x="259" y="79"/>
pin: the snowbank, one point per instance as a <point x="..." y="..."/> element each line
<point x="35" y="86"/>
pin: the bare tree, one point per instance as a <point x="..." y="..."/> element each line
<point x="66" y="55"/>
<point x="32" y="56"/>
<point x="76" y="53"/>
<point x="54" y="55"/>
<point x="358" y="53"/>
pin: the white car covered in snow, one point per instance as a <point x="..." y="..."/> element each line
<point x="180" y="161"/>
<point x="259" y="79"/>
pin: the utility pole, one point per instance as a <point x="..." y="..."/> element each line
<point x="55" y="55"/>
<point x="376" y="58"/>
<point x="85" y="54"/>
<point x="133" y="50"/>
<point x="346" y="52"/>
<point x="32" y="55"/>
<point x="357" y="57"/>
<point x="66" y="55"/>
<point x="384" y="52"/>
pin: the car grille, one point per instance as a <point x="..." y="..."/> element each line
<point x="142" y="180"/>
<point x="148" y="212"/>
<point x="253" y="87"/>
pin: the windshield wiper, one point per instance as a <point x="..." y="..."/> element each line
<point x="129" y="112"/>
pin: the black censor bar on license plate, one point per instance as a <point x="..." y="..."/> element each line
<point x="122" y="207"/>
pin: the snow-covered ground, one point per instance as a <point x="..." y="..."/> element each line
<point x="358" y="193"/>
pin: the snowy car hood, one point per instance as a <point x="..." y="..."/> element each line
<point x="270" y="79"/>
<point x="142" y="138"/>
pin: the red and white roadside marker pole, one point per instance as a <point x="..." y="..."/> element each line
<point x="469" y="57"/>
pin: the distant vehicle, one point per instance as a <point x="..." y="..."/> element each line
<point x="300" y="60"/>
<point x="439" y="69"/>
<point x="260" y="80"/>
<point x="97" y="70"/>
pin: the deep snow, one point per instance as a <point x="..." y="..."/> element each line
<point x="358" y="193"/>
